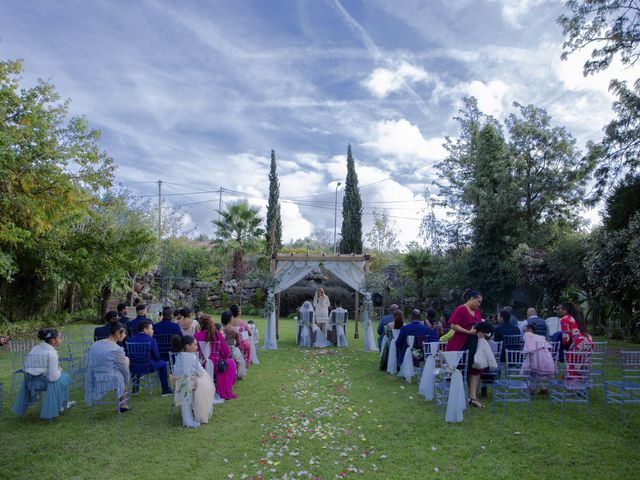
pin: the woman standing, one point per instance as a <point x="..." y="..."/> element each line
<point x="108" y="361"/>
<point x="226" y="377"/>
<point x="433" y="326"/>
<point x="41" y="370"/>
<point x="463" y="321"/>
<point x="244" y="331"/>
<point x="321" y="304"/>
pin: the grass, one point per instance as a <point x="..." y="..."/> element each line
<point x="321" y="414"/>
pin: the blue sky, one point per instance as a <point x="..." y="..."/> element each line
<point x="197" y="93"/>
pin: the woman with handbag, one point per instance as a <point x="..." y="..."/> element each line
<point x="224" y="367"/>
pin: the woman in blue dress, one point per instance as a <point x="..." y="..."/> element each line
<point x="43" y="375"/>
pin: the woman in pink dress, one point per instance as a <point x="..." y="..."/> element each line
<point x="463" y="321"/>
<point x="244" y="331"/>
<point x="224" y="380"/>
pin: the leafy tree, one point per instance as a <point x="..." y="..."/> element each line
<point x="51" y="169"/>
<point x="622" y="203"/>
<point x="351" y="241"/>
<point x="238" y="229"/>
<point x="273" y="232"/>
<point x="548" y="171"/>
<point x="382" y="236"/>
<point x="613" y="28"/>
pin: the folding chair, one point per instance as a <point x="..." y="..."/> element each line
<point x="172" y="361"/>
<point x="78" y="352"/>
<point x="164" y="344"/>
<point x="34" y="387"/>
<point x="598" y="358"/>
<point x="86" y="333"/>
<point x="101" y="383"/>
<point x="17" y="348"/>
<point x="538" y="375"/>
<point x="514" y="388"/>
<point x="142" y="372"/>
<point x="627" y="389"/>
<point x="574" y="386"/>
<point x="490" y="375"/>
<point x="511" y="342"/>
<point x="443" y="380"/>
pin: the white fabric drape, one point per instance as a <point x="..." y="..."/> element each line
<point x="370" y="344"/>
<point x="406" y="369"/>
<point x="385" y="340"/>
<point x="427" y="384"/>
<point x="269" y="341"/>
<point x="457" y="402"/>
<point x="351" y="273"/>
<point x="290" y="272"/>
<point x="253" y="345"/>
<point x="205" y="348"/>
<point x="392" y="363"/>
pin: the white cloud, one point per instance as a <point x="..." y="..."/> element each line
<point x="401" y="139"/>
<point x="513" y="10"/>
<point x="494" y="97"/>
<point x="384" y="81"/>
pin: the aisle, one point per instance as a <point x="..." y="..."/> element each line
<point x="319" y="431"/>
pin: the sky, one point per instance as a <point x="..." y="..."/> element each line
<point x="197" y="93"/>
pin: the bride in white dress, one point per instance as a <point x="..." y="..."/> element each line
<point x="321" y="305"/>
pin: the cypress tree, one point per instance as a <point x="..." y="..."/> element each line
<point x="351" y="241"/>
<point x="273" y="233"/>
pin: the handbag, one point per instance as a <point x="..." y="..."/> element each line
<point x="222" y="365"/>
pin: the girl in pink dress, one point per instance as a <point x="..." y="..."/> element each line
<point x="463" y="321"/>
<point x="219" y="350"/>
<point x="244" y="331"/>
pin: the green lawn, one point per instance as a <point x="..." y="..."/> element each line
<point x="321" y="414"/>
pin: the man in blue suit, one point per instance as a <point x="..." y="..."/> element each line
<point x="141" y="314"/>
<point x="145" y="335"/>
<point x="163" y="330"/>
<point x="386" y="319"/>
<point x="103" y="332"/>
<point x="415" y="328"/>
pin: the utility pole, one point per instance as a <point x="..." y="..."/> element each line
<point x="159" y="210"/>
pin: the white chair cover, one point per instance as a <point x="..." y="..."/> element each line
<point x="305" y="321"/>
<point x="385" y="340"/>
<point x="370" y="344"/>
<point x="406" y="369"/>
<point x="205" y="348"/>
<point x="340" y="319"/>
<point x="270" y="342"/>
<point x="457" y="402"/>
<point x="553" y="325"/>
<point x="253" y="355"/>
<point x="427" y="384"/>
<point x="392" y="363"/>
<point x="321" y="340"/>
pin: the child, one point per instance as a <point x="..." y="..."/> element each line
<point x="192" y="386"/>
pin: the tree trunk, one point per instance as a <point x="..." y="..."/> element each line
<point x="70" y="299"/>
<point x="105" y="295"/>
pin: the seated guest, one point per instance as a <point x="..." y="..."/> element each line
<point x="232" y="338"/>
<point x="107" y="360"/>
<point x="225" y="372"/>
<point x="176" y="316"/>
<point x="122" y="314"/>
<point x="540" y="326"/>
<point x="434" y="327"/>
<point x="141" y="315"/>
<point x="166" y="326"/>
<point x="193" y="387"/>
<point x="415" y="328"/>
<point x="42" y="371"/>
<point x="145" y="335"/>
<point x="100" y="333"/>
<point x="188" y="325"/>
<point x="197" y="313"/>
<point x="384" y="321"/>
<point x="505" y="328"/>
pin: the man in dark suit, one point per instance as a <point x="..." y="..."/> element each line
<point x="505" y="328"/>
<point x="145" y="335"/>
<point x="386" y="319"/>
<point x="415" y="328"/>
<point x="103" y="332"/>
<point x="141" y="315"/>
<point x="122" y="314"/>
<point x="163" y="330"/>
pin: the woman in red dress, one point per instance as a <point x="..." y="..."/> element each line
<point x="463" y="321"/>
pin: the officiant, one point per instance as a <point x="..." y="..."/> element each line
<point x="321" y="305"/>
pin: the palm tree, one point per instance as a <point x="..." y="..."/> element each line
<point x="237" y="228"/>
